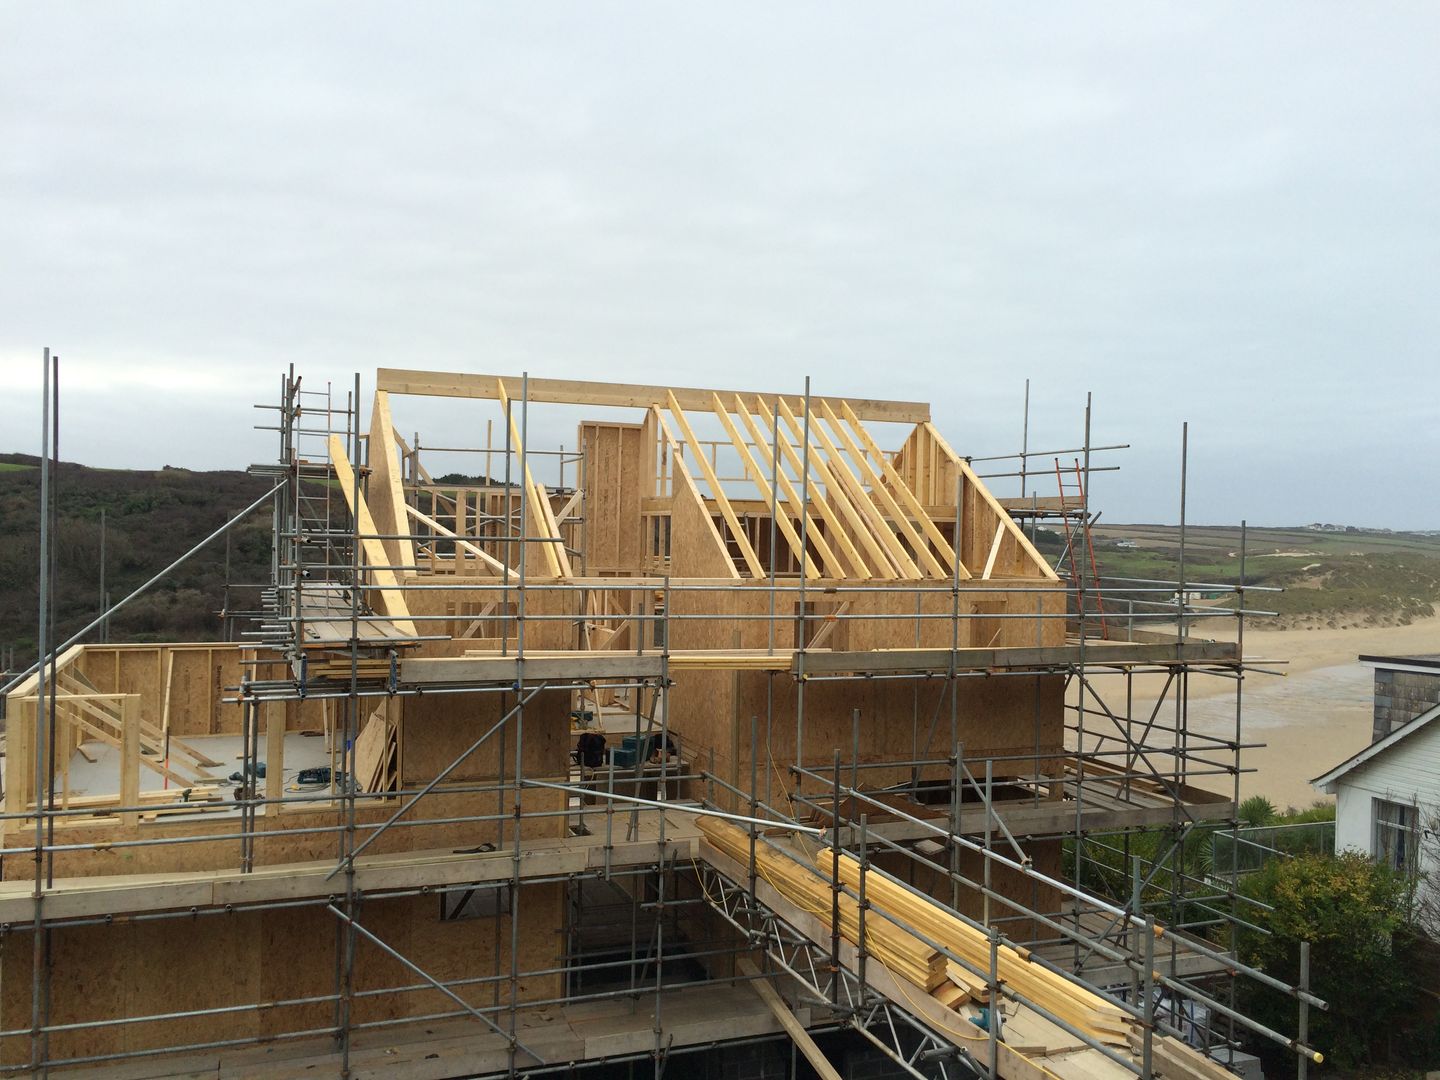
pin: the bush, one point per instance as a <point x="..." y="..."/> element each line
<point x="1354" y="914"/>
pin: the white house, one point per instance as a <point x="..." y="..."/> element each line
<point x="1387" y="797"/>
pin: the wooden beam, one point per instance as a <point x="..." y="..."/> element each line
<point x="612" y="395"/>
<point x="990" y="500"/>
<point x="994" y="549"/>
<point x="747" y="552"/>
<point x="807" y="1046"/>
<point x="536" y="519"/>
<point x="887" y="557"/>
<point x="888" y="506"/>
<point x="762" y="482"/>
<point x="386" y="490"/>
<point x="682" y="478"/>
<point x="833" y="566"/>
<point x="822" y="506"/>
<point x="484" y="556"/>
<point x="391" y="599"/>
<point x="908" y="497"/>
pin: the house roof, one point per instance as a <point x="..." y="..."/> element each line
<point x="1424" y="662"/>
<point x="1326" y="781"/>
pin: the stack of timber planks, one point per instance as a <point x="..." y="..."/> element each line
<point x="899" y="950"/>
<point x="1077" y="1006"/>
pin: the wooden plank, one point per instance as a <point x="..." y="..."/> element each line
<point x="717" y="493"/>
<point x="392" y="600"/>
<point x="484" y="556"/>
<point x="902" y="489"/>
<point x="762" y="482"/>
<point x="691" y="526"/>
<point x="888" y="506"/>
<point x="612" y="395"/>
<point x="535" y="519"/>
<point x="994" y="549"/>
<point x="130" y="757"/>
<point x="807" y="1046"/>
<point x="829" y="560"/>
<point x="836" y="532"/>
<point x="386" y="490"/>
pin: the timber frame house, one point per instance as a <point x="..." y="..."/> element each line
<point x="852" y="718"/>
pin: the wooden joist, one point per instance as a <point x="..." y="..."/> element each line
<point x="612" y="395"/>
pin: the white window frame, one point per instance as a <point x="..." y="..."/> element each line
<point x="1395" y="835"/>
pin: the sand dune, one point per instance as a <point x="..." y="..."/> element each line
<point x="1312" y="717"/>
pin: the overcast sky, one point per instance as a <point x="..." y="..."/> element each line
<point x="1223" y="214"/>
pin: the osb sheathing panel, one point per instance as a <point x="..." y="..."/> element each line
<point x="462" y="605"/>
<point x="275" y="843"/>
<point x="253" y="958"/>
<point x="997" y="715"/>
<point x="613" y="465"/>
<point x="438" y="728"/>
<point x="196" y="679"/>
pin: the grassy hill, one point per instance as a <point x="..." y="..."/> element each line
<point x="151" y="518"/>
<point x="1331" y="579"/>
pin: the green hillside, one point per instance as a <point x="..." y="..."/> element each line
<point x="151" y="518"/>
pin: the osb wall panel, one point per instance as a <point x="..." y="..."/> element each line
<point x="194" y="679"/>
<point x="132" y="969"/>
<point x="277" y="844"/>
<point x="460" y="607"/>
<point x="438" y="728"/>
<point x="613" y="468"/>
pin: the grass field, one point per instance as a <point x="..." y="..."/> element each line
<point x="1330" y="579"/>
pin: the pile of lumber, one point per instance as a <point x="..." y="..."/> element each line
<point x="907" y="953"/>
<point x="1016" y="968"/>
<point x="900" y="951"/>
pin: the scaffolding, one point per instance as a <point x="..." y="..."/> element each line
<point x="487" y="610"/>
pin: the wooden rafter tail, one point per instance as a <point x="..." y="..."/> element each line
<point x="886" y="505"/>
<point x="906" y="495"/>
<point x="747" y="551"/>
<point x="822" y="506"/>
<point x="529" y="494"/>
<point x="762" y="484"/>
<point x="392" y="599"/>
<point x="832" y="564"/>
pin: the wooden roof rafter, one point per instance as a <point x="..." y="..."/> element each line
<point x="762" y="482"/>
<point x="832" y="565"/>
<point x="902" y="489"/>
<point x="831" y="516"/>
<point x="541" y="518"/>
<point x="717" y="492"/>
<point x="1006" y="522"/>
<point x="889" y="508"/>
<point x="682" y="474"/>
<point x="390" y="600"/>
<point x="853" y="503"/>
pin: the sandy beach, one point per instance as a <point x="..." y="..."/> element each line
<point x="1312" y="717"/>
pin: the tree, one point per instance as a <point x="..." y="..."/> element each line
<point x="1354" y="913"/>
